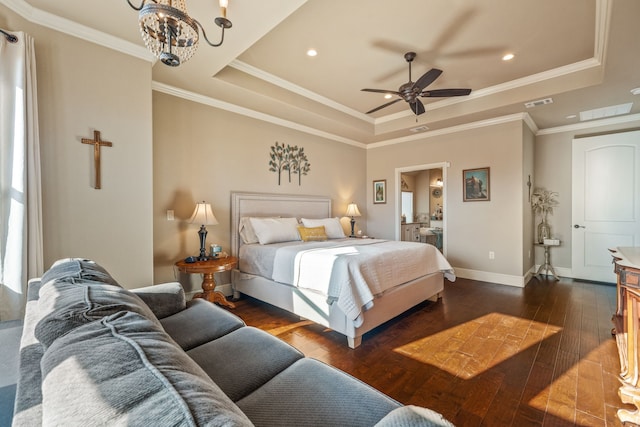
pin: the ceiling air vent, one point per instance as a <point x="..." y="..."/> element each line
<point x="538" y="103"/>
<point x="419" y="129"/>
<point x="601" y="113"/>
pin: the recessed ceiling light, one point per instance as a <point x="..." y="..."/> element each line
<point x="636" y="91"/>
<point x="571" y="116"/>
<point x="312" y="52"/>
<point x="388" y="96"/>
<point x="508" y="57"/>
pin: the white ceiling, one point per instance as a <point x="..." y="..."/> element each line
<point x="582" y="53"/>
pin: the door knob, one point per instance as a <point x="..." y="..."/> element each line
<point x="578" y="226"/>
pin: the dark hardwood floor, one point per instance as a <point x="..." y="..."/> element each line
<point x="485" y="354"/>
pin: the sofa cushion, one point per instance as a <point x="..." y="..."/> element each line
<point x="125" y="370"/>
<point x="78" y="269"/>
<point x="310" y="393"/>
<point x="66" y="304"/>
<point x="164" y="299"/>
<point x="28" y="408"/>
<point x="201" y="322"/>
<point x="413" y="416"/>
<point x="255" y="356"/>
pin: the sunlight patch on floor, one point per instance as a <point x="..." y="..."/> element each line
<point x="561" y="397"/>
<point x="286" y="328"/>
<point x="476" y="346"/>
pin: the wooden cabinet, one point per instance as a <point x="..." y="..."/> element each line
<point x="411" y="232"/>
<point x="626" y="328"/>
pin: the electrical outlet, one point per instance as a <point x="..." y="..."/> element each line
<point x="170" y="216"/>
<point x="492" y="255"/>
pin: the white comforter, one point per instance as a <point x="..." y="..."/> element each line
<point x="350" y="273"/>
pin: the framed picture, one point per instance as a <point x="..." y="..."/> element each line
<point x="380" y="191"/>
<point x="475" y="185"/>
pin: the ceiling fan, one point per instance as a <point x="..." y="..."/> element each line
<point x="410" y="91"/>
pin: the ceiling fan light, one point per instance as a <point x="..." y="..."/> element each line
<point x="411" y="91"/>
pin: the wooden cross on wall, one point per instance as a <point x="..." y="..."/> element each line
<point x="97" y="143"/>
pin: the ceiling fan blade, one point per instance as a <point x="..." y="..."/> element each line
<point x="443" y="93"/>
<point x="417" y="107"/>
<point x="427" y="78"/>
<point x="393" y="92"/>
<point x="383" y="106"/>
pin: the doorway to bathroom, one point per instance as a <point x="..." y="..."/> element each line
<point x="421" y="192"/>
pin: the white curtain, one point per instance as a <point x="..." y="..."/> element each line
<point x="21" y="253"/>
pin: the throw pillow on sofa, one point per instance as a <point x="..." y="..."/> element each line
<point x="78" y="269"/>
<point x="125" y="370"/>
<point x="76" y="291"/>
<point x="65" y="305"/>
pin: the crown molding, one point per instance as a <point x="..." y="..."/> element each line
<point x="528" y="120"/>
<point x="453" y="129"/>
<point x="54" y="22"/>
<point x="477" y="94"/>
<point x="291" y="87"/>
<point x="502" y="87"/>
<point x="233" y="108"/>
<point x="216" y="103"/>
<point x="591" y="124"/>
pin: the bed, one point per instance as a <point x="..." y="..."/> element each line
<point x="380" y="284"/>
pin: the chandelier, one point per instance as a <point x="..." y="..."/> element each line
<point x="170" y="33"/>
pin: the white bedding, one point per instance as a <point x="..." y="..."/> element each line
<point x="349" y="272"/>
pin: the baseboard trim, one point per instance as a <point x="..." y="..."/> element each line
<point x="485" y="276"/>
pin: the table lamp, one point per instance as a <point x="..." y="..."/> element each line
<point x="203" y="215"/>
<point x="352" y="211"/>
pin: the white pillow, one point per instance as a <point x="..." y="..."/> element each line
<point x="247" y="232"/>
<point x="332" y="226"/>
<point x="274" y="230"/>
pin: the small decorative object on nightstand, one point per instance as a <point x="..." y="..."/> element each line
<point x="208" y="268"/>
<point x="352" y="211"/>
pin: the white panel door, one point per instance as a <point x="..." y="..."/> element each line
<point x="605" y="202"/>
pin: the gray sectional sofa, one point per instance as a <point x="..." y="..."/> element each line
<point x="94" y="353"/>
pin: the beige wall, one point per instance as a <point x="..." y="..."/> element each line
<point x="204" y="153"/>
<point x="472" y="228"/>
<point x="82" y="87"/>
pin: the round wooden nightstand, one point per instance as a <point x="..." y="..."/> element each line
<point x="208" y="268"/>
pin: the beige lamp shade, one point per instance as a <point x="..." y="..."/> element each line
<point x="203" y="215"/>
<point x="352" y="210"/>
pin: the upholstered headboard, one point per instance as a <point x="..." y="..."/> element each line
<point x="264" y="204"/>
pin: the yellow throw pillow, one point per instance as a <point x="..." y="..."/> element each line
<point x="312" y="234"/>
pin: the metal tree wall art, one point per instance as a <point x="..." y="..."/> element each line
<point x="291" y="159"/>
